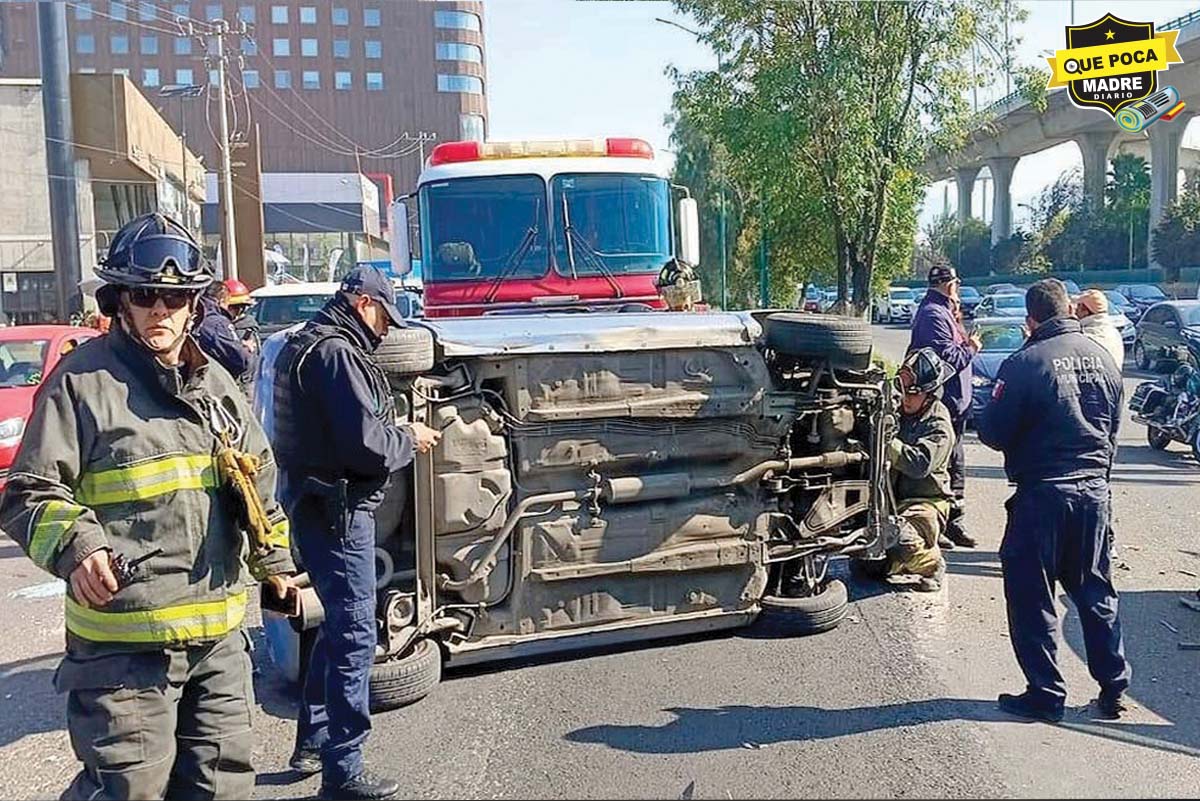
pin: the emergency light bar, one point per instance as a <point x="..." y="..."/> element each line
<point x="453" y="152"/>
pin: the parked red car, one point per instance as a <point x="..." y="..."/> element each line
<point x="27" y="355"/>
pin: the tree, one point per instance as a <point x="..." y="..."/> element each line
<point x="966" y="246"/>
<point x="1177" y="237"/>
<point x="828" y="109"/>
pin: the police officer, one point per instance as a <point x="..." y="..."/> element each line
<point x="936" y="325"/>
<point x="337" y="443"/>
<point x="920" y="459"/>
<point x="216" y="335"/>
<point x="116" y="468"/>
<point x="1054" y="414"/>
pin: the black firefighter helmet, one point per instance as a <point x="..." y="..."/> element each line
<point x="151" y="251"/>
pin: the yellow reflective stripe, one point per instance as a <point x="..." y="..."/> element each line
<point x="148" y="479"/>
<point x="174" y="624"/>
<point x="52" y="522"/>
<point x="280" y="534"/>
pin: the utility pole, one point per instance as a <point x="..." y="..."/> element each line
<point x="228" y="240"/>
<point x="60" y="156"/>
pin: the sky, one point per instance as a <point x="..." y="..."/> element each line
<point x="587" y="68"/>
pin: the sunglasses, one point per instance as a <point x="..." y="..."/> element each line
<point x="173" y="299"/>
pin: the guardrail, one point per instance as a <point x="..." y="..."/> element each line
<point x="1180" y="22"/>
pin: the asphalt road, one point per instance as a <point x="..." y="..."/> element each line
<point x="899" y="701"/>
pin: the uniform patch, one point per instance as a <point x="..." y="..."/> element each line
<point x="998" y="390"/>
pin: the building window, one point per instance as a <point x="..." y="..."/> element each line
<point x="457" y="51"/>
<point x="310" y="79"/>
<point x="119" y="44"/>
<point x="123" y="71"/>
<point x="214" y="78"/>
<point x="341" y="16"/>
<point x="184" y="76"/>
<point x="183" y="46"/>
<point x="341" y="48"/>
<point x="373" y="48"/>
<point x="85" y="44"/>
<point x="374" y="81"/>
<point x="149" y="45"/>
<point x="246" y="14"/>
<point x="457" y="20"/>
<point x="460" y="83"/>
<point x="283" y="79"/>
<point x="249" y="46"/>
<point x="279" y="15"/>
<point x="147" y="11"/>
<point x="371" y="18"/>
<point x="308" y="15"/>
<point x="118" y="10"/>
<point x="308" y="47"/>
<point x="182" y="10"/>
<point x="150" y="76"/>
<point x="343" y="80"/>
<point x="470" y="127"/>
<point x="213" y="11"/>
<point x="83" y="11"/>
<point x="281" y="47"/>
<point x="250" y="79"/>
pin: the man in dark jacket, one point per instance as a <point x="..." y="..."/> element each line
<point x="216" y="335"/>
<point x="337" y="444"/>
<point x="1054" y="414"/>
<point x="936" y="326"/>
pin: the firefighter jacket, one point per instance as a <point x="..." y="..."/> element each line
<point x="119" y="454"/>
<point x="920" y="456"/>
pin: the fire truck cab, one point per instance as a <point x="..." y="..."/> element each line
<point x="512" y="227"/>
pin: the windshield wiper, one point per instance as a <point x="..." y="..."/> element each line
<point x="518" y="255"/>
<point x="594" y="258"/>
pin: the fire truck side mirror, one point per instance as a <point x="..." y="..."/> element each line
<point x="689" y="231"/>
<point x="400" y="249"/>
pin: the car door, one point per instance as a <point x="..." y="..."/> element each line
<point x="1152" y="330"/>
<point x="1172" y="336"/>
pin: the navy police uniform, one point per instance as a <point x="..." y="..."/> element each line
<point x="1054" y="414"/>
<point x="337" y="444"/>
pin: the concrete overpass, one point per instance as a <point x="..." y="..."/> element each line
<point x="1012" y="128"/>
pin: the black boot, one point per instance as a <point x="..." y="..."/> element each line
<point x="1027" y="706"/>
<point x="1111" y="705"/>
<point x="365" y="785"/>
<point x="305" y="761"/>
<point x="956" y="530"/>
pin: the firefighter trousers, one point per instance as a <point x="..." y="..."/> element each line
<point x="172" y="724"/>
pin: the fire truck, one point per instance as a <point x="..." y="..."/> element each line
<point x="519" y="227"/>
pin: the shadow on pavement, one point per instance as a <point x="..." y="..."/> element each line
<point x="1178" y="456"/>
<point x="973" y="563"/>
<point x="31" y="705"/>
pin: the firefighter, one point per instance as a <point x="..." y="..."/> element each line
<point x="115" y="490"/>
<point x="338" y="445"/>
<point x="920" y="459"/>
<point x="1054" y="414"/>
<point x="216" y="335"/>
<point x="238" y="303"/>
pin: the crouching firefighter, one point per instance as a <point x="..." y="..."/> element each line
<point x="117" y="488"/>
<point x="338" y="444"/>
<point x="920" y="459"/>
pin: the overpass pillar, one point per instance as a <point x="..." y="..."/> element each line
<point x="1002" y="170"/>
<point x="1094" y="147"/>
<point x="965" y="179"/>
<point x="1165" y="138"/>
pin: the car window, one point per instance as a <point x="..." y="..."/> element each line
<point x="22" y="362"/>
<point x="288" y="309"/>
<point x="1157" y="315"/>
<point x="1146" y="292"/>
<point x="1191" y="316"/>
<point x="901" y="294"/>
<point x="1008" y="302"/>
<point x="1001" y="337"/>
<point x="968" y="293"/>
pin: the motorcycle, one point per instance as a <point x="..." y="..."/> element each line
<point x="1170" y="407"/>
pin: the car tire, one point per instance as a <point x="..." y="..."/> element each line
<point x="399" y="682"/>
<point x="844" y="341"/>
<point x="1157" y="438"/>
<point x="810" y="614"/>
<point x="406" y="351"/>
<point x="1140" y="357"/>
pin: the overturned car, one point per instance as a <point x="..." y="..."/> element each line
<point x="607" y="478"/>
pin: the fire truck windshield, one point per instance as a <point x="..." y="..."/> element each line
<point x="477" y="228"/>
<point x="610" y="222"/>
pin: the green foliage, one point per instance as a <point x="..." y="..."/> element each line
<point x="823" y="111"/>
<point x="968" y="246"/>
<point x="1177" y="237"/>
